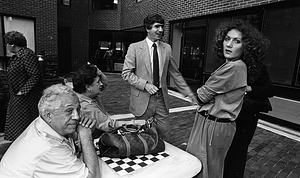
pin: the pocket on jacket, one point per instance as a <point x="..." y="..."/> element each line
<point x="135" y="93"/>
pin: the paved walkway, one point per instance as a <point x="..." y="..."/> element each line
<point x="273" y="153"/>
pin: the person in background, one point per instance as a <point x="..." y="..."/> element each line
<point x="220" y="98"/>
<point x="46" y="148"/>
<point x="108" y="56"/>
<point x="25" y="85"/>
<point x="259" y="89"/>
<point x="148" y="77"/>
<point x="98" y="58"/>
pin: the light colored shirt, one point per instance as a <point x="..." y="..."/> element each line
<point x="41" y="152"/>
<point x="224" y="91"/>
<point x="95" y="108"/>
<point x="151" y="48"/>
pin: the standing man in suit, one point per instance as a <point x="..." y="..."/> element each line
<point x="148" y="78"/>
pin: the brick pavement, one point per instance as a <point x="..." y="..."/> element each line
<point x="269" y="155"/>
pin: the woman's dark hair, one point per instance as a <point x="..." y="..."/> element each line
<point x="255" y="45"/>
<point x="15" y="38"/>
<point x="151" y="19"/>
<point x="84" y="76"/>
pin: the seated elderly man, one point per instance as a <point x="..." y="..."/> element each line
<point x="46" y="147"/>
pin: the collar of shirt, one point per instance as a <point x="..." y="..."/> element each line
<point x="150" y="47"/>
<point x="20" y="52"/>
<point x="46" y="131"/>
<point x="84" y="98"/>
<point x="150" y="43"/>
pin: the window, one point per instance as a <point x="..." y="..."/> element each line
<point x="298" y="76"/>
<point x="100" y="41"/>
<point x="25" y="26"/>
<point x="120" y="50"/>
<point x="66" y="2"/>
<point x="123" y="40"/>
<point x="105" y="4"/>
<point x="282" y="27"/>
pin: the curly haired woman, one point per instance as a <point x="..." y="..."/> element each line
<point x="259" y="89"/>
<point x="220" y="98"/>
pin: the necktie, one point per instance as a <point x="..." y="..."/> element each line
<point x="155" y="66"/>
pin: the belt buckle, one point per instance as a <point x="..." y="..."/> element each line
<point x="206" y="115"/>
<point x="157" y="93"/>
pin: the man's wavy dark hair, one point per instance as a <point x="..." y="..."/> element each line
<point x="255" y="44"/>
<point x="151" y="19"/>
<point x="84" y="76"/>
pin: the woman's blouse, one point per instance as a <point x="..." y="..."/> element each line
<point x="223" y="92"/>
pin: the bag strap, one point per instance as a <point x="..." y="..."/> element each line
<point x="127" y="145"/>
<point x="144" y="143"/>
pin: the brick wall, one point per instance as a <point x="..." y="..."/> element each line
<point x="181" y="9"/>
<point x="81" y="17"/>
<point x="45" y="15"/>
<point x="134" y="13"/>
<point x="105" y="19"/>
<point x="76" y="16"/>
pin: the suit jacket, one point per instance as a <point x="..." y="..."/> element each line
<point x="137" y="71"/>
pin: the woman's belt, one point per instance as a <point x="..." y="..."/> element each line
<point x="213" y="118"/>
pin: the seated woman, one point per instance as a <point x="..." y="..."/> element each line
<point x="88" y="83"/>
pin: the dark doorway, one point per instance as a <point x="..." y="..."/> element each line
<point x="64" y="50"/>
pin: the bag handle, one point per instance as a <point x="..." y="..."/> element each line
<point x="131" y="128"/>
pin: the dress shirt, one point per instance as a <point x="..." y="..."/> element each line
<point x="41" y="152"/>
<point x="151" y="48"/>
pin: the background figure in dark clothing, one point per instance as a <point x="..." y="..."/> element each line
<point x="246" y="123"/>
<point x="25" y="85"/>
<point x="108" y="56"/>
